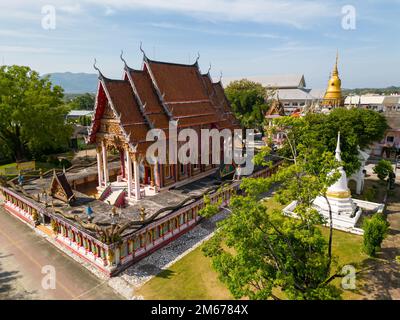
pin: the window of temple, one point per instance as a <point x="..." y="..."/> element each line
<point x="124" y="249"/>
<point x="149" y="238"/>
<point x="130" y="246"/>
<point x="165" y="227"/>
<point x="137" y="244"/>
<point x="142" y="241"/>
<point x="176" y="223"/>
<point x="160" y="230"/>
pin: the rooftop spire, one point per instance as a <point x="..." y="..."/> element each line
<point x="96" y="68"/>
<point x="338" y="151"/>
<point x="335" y="68"/>
<point x="197" y="59"/>
<point x="141" y="49"/>
<point x="122" y="58"/>
<point x="209" y="69"/>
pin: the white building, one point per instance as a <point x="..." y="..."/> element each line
<point x="375" y="102"/>
<point x="290" y="89"/>
<point x="76" y="114"/>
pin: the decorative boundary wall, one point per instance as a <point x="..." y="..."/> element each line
<point x="113" y="258"/>
<point x="343" y="223"/>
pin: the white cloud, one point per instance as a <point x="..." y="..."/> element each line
<point x="298" y="13"/>
<point x="166" y="25"/>
<point x="72" y="9"/>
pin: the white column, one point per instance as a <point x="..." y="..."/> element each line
<point x="137" y="178"/>
<point x="157" y="180"/>
<point x="129" y="173"/>
<point x="99" y="171"/>
<point x="105" y="165"/>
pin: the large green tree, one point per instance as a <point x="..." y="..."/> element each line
<point x="248" y="101"/>
<point x="359" y="129"/>
<point x="258" y="252"/>
<point x="32" y="114"/>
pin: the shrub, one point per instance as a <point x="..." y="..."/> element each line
<point x="375" y="230"/>
<point x="383" y="169"/>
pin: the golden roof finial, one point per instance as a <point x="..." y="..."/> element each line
<point x="335" y="69"/>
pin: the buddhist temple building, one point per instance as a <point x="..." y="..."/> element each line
<point x="333" y="96"/>
<point x="113" y="212"/>
<point x="148" y="99"/>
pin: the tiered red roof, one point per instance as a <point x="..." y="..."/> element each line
<point x="149" y="98"/>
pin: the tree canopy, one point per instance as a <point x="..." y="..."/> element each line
<point x="82" y="102"/>
<point x="383" y="169"/>
<point x="248" y="101"/>
<point x="258" y="252"/>
<point x="359" y="129"/>
<point x="32" y="114"/>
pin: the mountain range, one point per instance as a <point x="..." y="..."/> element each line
<point x="78" y="83"/>
<point x="75" y="82"/>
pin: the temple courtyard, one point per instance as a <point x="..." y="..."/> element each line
<point x="179" y="270"/>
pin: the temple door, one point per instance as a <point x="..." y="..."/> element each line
<point x="147" y="174"/>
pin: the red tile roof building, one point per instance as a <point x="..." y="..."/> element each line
<point x="148" y="99"/>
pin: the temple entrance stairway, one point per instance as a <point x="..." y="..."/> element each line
<point x="114" y="196"/>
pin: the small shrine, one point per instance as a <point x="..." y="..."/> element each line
<point x="61" y="189"/>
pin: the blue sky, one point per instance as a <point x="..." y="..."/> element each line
<point x="240" y="38"/>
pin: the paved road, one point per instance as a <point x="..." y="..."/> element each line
<point x="23" y="253"/>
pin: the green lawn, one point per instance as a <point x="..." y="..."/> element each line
<point x="348" y="249"/>
<point x="192" y="277"/>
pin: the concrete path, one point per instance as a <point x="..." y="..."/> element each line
<point x="23" y="254"/>
<point x="384" y="281"/>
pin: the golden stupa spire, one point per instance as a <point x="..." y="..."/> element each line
<point x="335" y="69"/>
<point x="333" y="94"/>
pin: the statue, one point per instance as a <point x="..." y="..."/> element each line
<point x="89" y="213"/>
<point x="142" y="213"/>
<point x="20" y="179"/>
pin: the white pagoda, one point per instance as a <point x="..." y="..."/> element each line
<point x="344" y="210"/>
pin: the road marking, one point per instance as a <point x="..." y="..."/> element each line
<point x="91" y="289"/>
<point x="15" y="243"/>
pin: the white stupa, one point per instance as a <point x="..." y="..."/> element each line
<point x="344" y="210"/>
